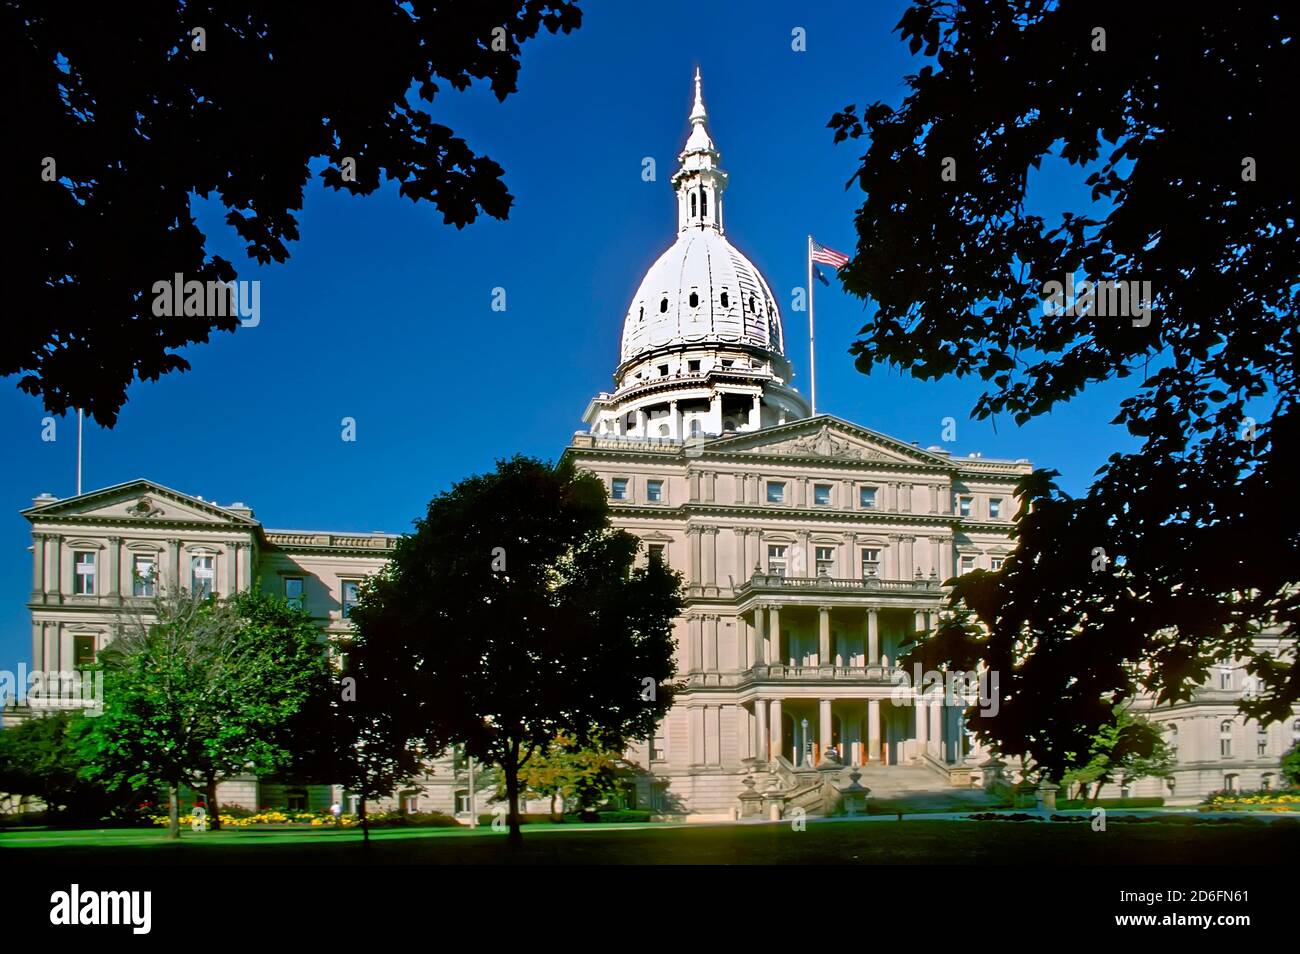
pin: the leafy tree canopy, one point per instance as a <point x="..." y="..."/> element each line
<point x="1181" y="552"/>
<point x="515" y="613"/>
<point x="117" y="120"/>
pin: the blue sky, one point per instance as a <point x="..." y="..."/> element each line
<point x="383" y="314"/>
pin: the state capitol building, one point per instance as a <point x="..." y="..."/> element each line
<point x="811" y="548"/>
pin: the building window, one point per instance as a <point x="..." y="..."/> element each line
<point x="704" y="202"/>
<point x="657" y="553"/>
<point x="657" y="749"/>
<point x="293" y="591"/>
<point x="1225" y="739"/>
<point x="654" y="491"/>
<point x="775" y="492"/>
<point x="350" y="591"/>
<point x="694" y="366"/>
<point x="1225" y="678"/>
<point x="870" y="562"/>
<point x="202" y="574"/>
<point x="967" y="564"/>
<point x="727" y="362"/>
<point x="1266" y="781"/>
<point x="695" y="300"/>
<point x="822" y="495"/>
<point x="825" y="561"/>
<point x="295" y="799"/>
<point x="776" y="559"/>
<point x="663" y="305"/>
<point x="410" y="804"/>
<point x="143" y="569"/>
<point x="724" y="299"/>
<point x="1173" y="740"/>
<point x="1261" y="742"/>
<point x="963" y="506"/>
<point x="83" y="650"/>
<point x="83" y="580"/>
<point x="1230" y="783"/>
<point x="663" y="370"/>
<point x="867" y="498"/>
<point x="618" y="488"/>
<point x="995" y="508"/>
<point x="693" y="205"/>
<point x="995" y="563"/>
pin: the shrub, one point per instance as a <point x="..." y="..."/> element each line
<point x="623" y="816"/>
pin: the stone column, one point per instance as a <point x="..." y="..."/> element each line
<point x="873" y="730"/>
<point x="696" y="563"/>
<point x="758" y="636"/>
<point x="774" y="728"/>
<point x="824" y="726"/>
<point x="245" y="566"/>
<point x="774" y="636"/>
<point x="715" y="413"/>
<point x="38" y="646"/>
<point x="744" y="644"/>
<point x="114" y="568"/>
<point x="824" y="636"/>
<point x="38" y="569"/>
<point x="764" y="740"/>
<point x="920" y="622"/>
<point x="56" y="565"/>
<point x="934" y="498"/>
<point x="641" y="422"/>
<point x="695" y="722"/>
<point x="172" y="573"/>
<point x="674" y="421"/>
<point x="922" y="717"/>
<point x="946" y="568"/>
<point x="908" y="568"/>
<point x="695" y="649"/>
<point x="756" y="414"/>
<point x="936" y="728"/>
<point x="710" y="555"/>
<point x="873" y="637"/>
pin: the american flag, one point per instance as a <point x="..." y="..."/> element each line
<point x="826" y="256"/>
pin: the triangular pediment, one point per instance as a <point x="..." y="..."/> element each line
<point x="138" y="501"/>
<point x="824" y="437"/>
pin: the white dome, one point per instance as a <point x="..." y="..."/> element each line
<point x="701" y="290"/>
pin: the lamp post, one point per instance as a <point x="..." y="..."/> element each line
<point x="804" y="743"/>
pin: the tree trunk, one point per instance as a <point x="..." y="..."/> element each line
<point x="555" y="815"/>
<point x="210" y="796"/>
<point x="365" y="824"/>
<point x="173" y="811"/>
<point x="1096" y="792"/>
<point x="515" y="839"/>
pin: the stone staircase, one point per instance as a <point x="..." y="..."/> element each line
<point x="817" y="792"/>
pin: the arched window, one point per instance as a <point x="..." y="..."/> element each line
<point x="751" y="303"/>
<point x="1225" y="739"/>
<point x="641" y="315"/>
<point x="692" y="205"/>
<point x="663" y="305"/>
<point x="695" y="300"/>
<point x="704" y="202"/>
<point x="724" y="300"/>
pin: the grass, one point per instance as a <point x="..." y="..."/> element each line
<point x="863" y="842"/>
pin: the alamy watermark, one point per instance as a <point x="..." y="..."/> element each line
<point x="177" y="298"/>
<point x="1101" y="299"/>
<point x="959" y="688"/>
<point x="53" y="689"/>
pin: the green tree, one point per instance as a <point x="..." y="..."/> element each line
<point x="200" y="689"/>
<point x="514" y="613"/>
<point x="1177" y="555"/>
<point x="582" y="776"/>
<point x="112" y="149"/>
<point x="1129" y="748"/>
<point x="44" y="757"/>
<point x="1291" y="765"/>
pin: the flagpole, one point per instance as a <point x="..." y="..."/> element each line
<point x="812" y="354"/>
<point x="79" y="419"/>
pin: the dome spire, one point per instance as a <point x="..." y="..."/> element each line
<point x="698" y="115"/>
<point x="699" y="182"/>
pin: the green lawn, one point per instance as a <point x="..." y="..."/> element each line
<point x="870" y="842"/>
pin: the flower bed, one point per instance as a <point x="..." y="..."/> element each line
<point x="1287" y="800"/>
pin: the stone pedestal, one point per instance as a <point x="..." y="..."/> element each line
<point x="751" y="802"/>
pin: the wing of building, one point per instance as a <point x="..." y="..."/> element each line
<point x="812" y="548"/>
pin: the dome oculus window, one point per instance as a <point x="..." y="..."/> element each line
<point x="663" y="305"/>
<point x="695" y="300"/>
<point x="724" y="299"/>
